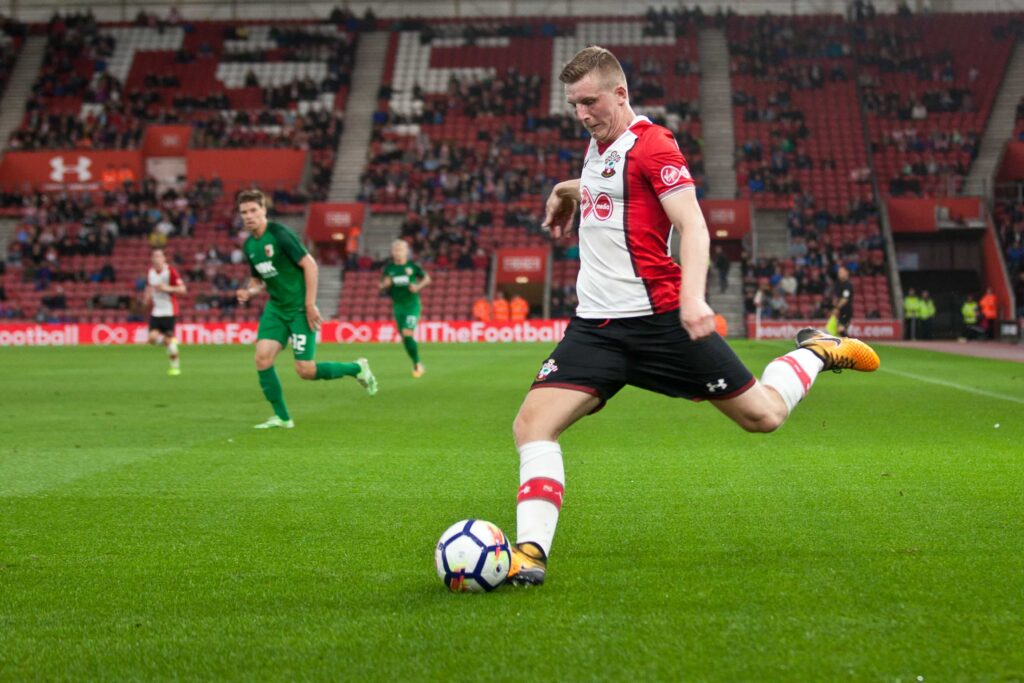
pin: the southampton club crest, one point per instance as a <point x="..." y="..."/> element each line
<point x="548" y="368"/>
<point x="269" y="250"/>
<point x="609" y="165"/>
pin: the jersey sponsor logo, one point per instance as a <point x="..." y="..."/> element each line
<point x="671" y="175"/>
<point x="586" y="202"/>
<point x="609" y="165"/>
<point x="266" y="269"/>
<point x="400" y="280"/>
<point x="603" y="207"/>
<point x="548" y="368"/>
<point x="268" y="249"/>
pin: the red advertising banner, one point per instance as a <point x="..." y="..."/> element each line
<point x="920" y="215"/>
<point x="166" y="141"/>
<point x="267" y="169"/>
<point x="74" y="170"/>
<point x="333" y="331"/>
<point x="860" y="328"/>
<point x="521" y="266"/>
<point x="727" y="219"/>
<point x="334" y="221"/>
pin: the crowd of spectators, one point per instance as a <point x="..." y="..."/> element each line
<point x="814" y="257"/>
<point x="113" y="117"/>
<point x="57" y="230"/>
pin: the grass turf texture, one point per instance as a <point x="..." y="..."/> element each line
<point x="148" y="532"/>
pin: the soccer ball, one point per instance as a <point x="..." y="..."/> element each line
<point x="473" y="556"/>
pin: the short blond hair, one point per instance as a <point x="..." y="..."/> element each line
<point x="251" y="196"/>
<point x="591" y="59"/>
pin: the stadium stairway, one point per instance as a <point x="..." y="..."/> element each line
<point x="371" y="56"/>
<point x="1000" y="127"/>
<point x="380" y="230"/>
<point x="729" y="304"/>
<point x="328" y="291"/>
<point x="716" y="113"/>
<point x="19" y="88"/>
<point x="771" y="234"/>
<point x="8" y="229"/>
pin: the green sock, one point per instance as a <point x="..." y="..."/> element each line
<point x="271" y="386"/>
<point x="336" y="370"/>
<point x="411" y="348"/>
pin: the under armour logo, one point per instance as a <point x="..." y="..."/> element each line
<point x="80" y="169"/>
<point x="716" y="385"/>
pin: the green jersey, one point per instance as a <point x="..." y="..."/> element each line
<point x="274" y="258"/>
<point x="401" y="277"/>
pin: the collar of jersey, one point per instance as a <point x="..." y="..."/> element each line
<point x="601" y="149"/>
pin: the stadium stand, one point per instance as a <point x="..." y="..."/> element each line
<point x="470" y="132"/>
<point x="929" y="86"/>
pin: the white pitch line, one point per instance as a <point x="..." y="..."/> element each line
<point x="954" y="385"/>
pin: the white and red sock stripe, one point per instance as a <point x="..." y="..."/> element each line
<point x="792" y="375"/>
<point x="541" y="490"/>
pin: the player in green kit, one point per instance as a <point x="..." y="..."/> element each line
<point x="281" y="265"/>
<point x="403" y="280"/>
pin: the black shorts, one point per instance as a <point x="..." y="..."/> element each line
<point x="844" y="318"/>
<point x="163" y="324"/>
<point x="652" y="352"/>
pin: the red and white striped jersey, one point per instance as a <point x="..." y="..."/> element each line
<point x="164" y="303"/>
<point x="625" y="267"/>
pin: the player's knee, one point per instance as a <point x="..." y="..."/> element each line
<point x="763" y="423"/>
<point x="306" y="370"/>
<point x="263" y="360"/>
<point x="406" y="333"/>
<point x="526" y="428"/>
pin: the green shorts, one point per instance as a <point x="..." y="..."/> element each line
<point x="292" y="326"/>
<point x="407" y="316"/>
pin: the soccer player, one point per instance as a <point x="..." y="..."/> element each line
<point x="403" y="280"/>
<point x="281" y="265"/>
<point x="842" y="306"/>
<point x="640" y="321"/>
<point x="162" y="283"/>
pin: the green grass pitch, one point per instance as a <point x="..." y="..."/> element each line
<point x="148" y="532"/>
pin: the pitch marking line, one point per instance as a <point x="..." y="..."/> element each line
<point x="954" y="385"/>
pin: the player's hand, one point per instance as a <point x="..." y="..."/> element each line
<point x="385" y="283"/>
<point x="243" y="295"/>
<point x="313" y="317"/>
<point x="559" y="211"/>
<point x="414" y="288"/>
<point x="696" y="316"/>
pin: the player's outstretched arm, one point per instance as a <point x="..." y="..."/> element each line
<point x="311" y="273"/>
<point x="683" y="210"/>
<point x="560" y="207"/>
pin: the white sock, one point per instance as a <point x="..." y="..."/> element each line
<point x="792" y="375"/>
<point x="542" y="484"/>
<point x="172" y="353"/>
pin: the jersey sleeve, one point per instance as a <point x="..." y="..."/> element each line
<point x="174" y="279"/>
<point x="663" y="165"/>
<point x="290" y="244"/>
<point x="418" y="272"/>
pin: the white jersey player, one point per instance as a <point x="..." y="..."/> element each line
<point x="641" y="321"/>
<point x="162" y="285"/>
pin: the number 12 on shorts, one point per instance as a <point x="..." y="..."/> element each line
<point x="298" y="342"/>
